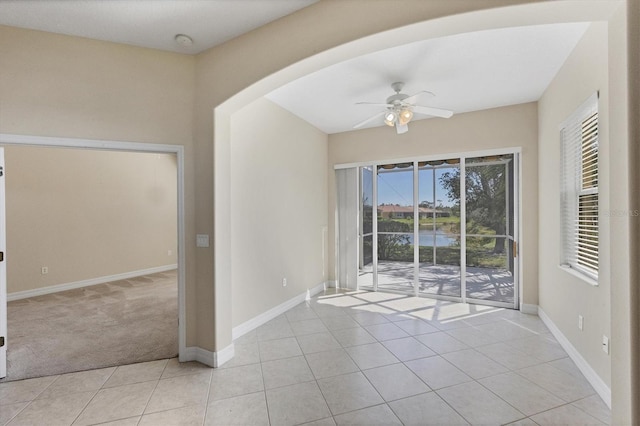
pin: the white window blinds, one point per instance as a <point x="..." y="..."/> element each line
<point x="579" y="189"/>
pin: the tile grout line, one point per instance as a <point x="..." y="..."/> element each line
<point x="384" y="402"/>
<point x="264" y="388"/>
<point x="564" y="405"/>
<point x="431" y="390"/>
<point x="315" y="379"/>
<point x="419" y="378"/>
<point x="92" y="398"/>
<point x="513" y="371"/>
<point x="152" y="392"/>
<point x="452" y="407"/>
<point x="509" y="369"/>
<point x="27" y="403"/>
<point x="489" y="390"/>
<point x="146" y="405"/>
<point x="206" y="402"/>
<point x="371" y="406"/>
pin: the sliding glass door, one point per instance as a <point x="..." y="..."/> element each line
<point x="439" y="228"/>
<point x="489" y="195"/>
<point x="365" y="229"/>
<point x="395" y="266"/>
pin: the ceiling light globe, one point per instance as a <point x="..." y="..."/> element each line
<point x="390" y="118"/>
<point x="405" y="116"/>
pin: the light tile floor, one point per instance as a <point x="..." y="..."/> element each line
<point x="494" y="284"/>
<point x="342" y="358"/>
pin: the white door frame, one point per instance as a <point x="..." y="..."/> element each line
<point x="106" y="145"/>
<point x="3" y="274"/>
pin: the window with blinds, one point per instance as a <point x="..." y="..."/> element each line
<point x="579" y="193"/>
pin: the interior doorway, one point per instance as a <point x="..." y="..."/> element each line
<point x="173" y="272"/>
<point x="444" y="228"/>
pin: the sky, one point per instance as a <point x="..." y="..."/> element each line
<point x="397" y="187"/>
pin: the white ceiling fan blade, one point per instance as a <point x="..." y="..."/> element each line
<point x="375" y="104"/>
<point x="369" y="120"/>
<point x="402" y="128"/>
<point x="435" y="112"/>
<point x="413" y="98"/>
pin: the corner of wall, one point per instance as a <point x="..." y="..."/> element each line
<point x="208" y="358"/>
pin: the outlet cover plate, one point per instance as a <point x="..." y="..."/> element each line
<point x="202" y="240"/>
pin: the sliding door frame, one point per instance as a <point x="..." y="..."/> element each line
<point x="517" y="232"/>
<point x="374" y="225"/>
<point x="506" y="236"/>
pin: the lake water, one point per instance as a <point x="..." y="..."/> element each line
<point x="426" y="238"/>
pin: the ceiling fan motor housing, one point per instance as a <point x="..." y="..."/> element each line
<point x="397" y="99"/>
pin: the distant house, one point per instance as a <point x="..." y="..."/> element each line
<point x="394" y="211"/>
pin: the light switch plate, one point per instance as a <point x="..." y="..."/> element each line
<point x="202" y="240"/>
<point x="580" y="322"/>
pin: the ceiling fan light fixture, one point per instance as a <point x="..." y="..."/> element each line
<point x="390" y="118"/>
<point x="405" y="116"/>
<point x="402" y="128"/>
<point x="399" y="109"/>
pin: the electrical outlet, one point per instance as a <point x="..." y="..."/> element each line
<point x="284" y="282"/>
<point x="44" y="270"/>
<point x="580" y="322"/>
<point x="605" y="344"/>
<point x="169" y="252"/>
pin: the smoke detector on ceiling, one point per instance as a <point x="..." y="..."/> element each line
<point x="184" y="40"/>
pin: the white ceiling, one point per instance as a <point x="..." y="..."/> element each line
<point x="466" y="72"/>
<point x="148" y="23"/>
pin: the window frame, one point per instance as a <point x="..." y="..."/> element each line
<point x="579" y="191"/>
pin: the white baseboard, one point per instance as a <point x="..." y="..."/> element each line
<point x="86" y="283"/>
<point x="529" y="309"/>
<point x="224" y="355"/>
<point x="264" y="317"/>
<point x="216" y="359"/>
<point x="194" y="353"/>
<point x="332" y="284"/>
<point x="589" y="373"/>
<point x="203" y="356"/>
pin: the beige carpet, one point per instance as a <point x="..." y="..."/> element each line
<point x="121" y="322"/>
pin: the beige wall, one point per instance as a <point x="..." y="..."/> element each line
<point x="563" y="296"/>
<point x="507" y="127"/>
<point x="87" y="214"/>
<point x="56" y="85"/>
<point x="623" y="309"/>
<point x="631" y="298"/>
<point x="278" y="208"/>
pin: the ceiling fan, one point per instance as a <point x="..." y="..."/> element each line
<point x="400" y="108"/>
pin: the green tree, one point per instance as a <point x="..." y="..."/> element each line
<point x="390" y="246"/>
<point x="485" y="198"/>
